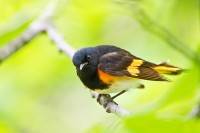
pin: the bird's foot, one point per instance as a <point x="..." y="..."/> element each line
<point x="105" y="101"/>
<point x="110" y="100"/>
<point x="106" y="96"/>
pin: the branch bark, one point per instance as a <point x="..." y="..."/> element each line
<point x="112" y="107"/>
<point x="44" y="24"/>
<point x="13" y="46"/>
<point x="58" y="39"/>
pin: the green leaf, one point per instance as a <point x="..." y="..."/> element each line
<point x="151" y="123"/>
<point x="184" y="91"/>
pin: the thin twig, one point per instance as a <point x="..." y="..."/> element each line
<point x="12" y="47"/>
<point x="112" y="107"/>
<point x="58" y="39"/>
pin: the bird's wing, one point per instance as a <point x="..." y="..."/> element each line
<point x="123" y="64"/>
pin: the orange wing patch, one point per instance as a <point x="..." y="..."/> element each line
<point x="133" y="68"/>
<point x="106" y="78"/>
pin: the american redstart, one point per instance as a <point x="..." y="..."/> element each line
<point x="110" y="69"/>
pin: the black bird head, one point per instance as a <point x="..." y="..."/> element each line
<point x="86" y="58"/>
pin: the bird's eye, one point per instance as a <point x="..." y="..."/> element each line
<point x="88" y="57"/>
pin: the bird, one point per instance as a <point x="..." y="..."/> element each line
<point x="109" y="69"/>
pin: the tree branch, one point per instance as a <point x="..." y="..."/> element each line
<point x="44" y="24"/>
<point x="12" y="47"/>
<point x="58" y="39"/>
<point x="112" y="107"/>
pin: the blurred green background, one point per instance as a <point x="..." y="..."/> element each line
<point x="39" y="89"/>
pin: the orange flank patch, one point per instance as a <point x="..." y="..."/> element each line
<point x="106" y="78"/>
<point x="133" y="68"/>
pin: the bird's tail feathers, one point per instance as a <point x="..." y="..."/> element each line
<point x="165" y="68"/>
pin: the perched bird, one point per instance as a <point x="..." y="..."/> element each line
<point x="110" y="69"/>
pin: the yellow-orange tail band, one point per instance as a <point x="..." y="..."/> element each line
<point x="167" y="69"/>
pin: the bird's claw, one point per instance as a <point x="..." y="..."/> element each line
<point x="110" y="100"/>
<point x="105" y="103"/>
<point x="100" y="95"/>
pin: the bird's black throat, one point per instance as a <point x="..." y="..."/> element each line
<point x="90" y="79"/>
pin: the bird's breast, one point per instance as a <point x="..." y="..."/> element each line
<point x="116" y="84"/>
<point x="120" y="85"/>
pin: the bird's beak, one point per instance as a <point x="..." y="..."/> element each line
<point x="82" y="65"/>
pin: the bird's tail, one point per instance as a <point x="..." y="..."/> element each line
<point x="165" y="68"/>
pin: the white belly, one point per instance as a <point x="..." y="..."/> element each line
<point x="120" y="85"/>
